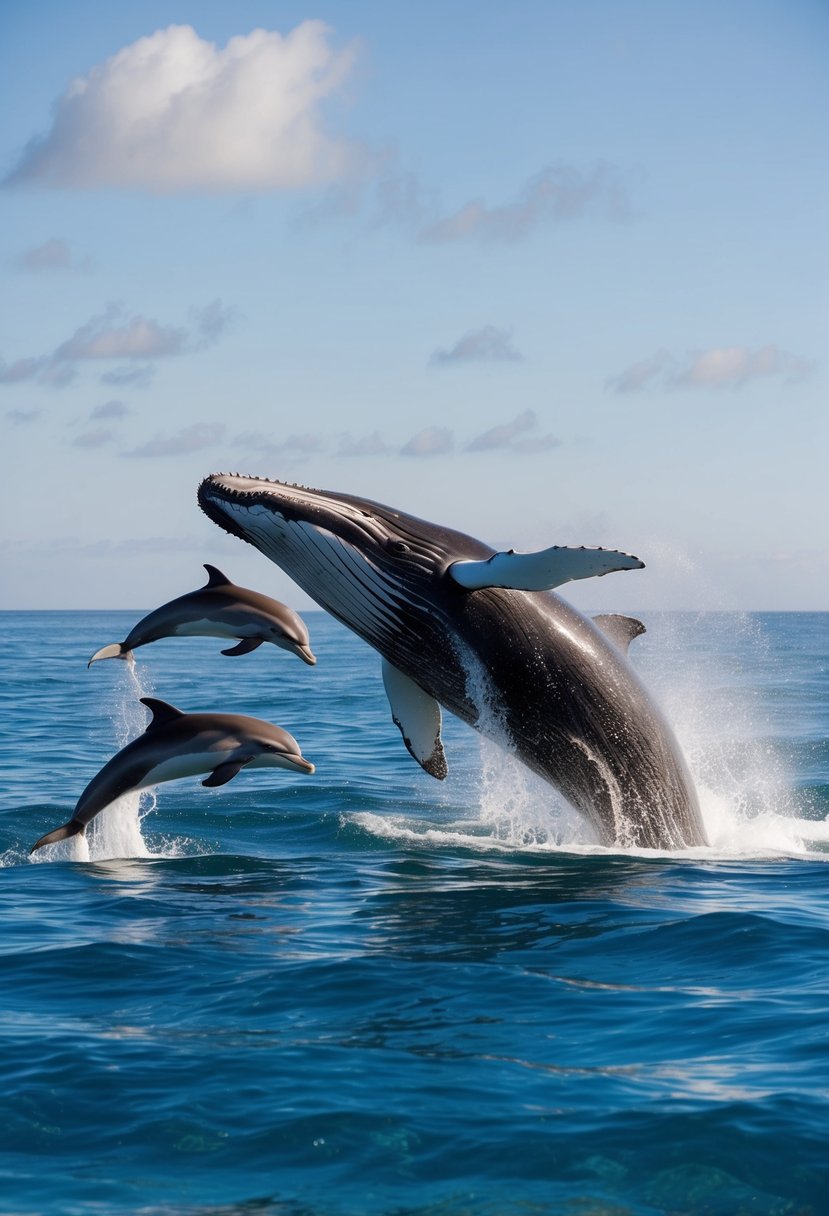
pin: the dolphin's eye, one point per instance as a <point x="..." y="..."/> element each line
<point x="399" y="546"/>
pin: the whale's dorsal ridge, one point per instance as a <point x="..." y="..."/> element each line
<point x="162" y="712"/>
<point x="215" y="578"/>
<point x="620" y="629"/>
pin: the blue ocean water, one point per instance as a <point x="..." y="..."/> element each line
<point x="364" y="991"/>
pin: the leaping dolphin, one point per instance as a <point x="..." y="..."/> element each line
<point x="220" y="609"/>
<point x="176" y="745"/>
<point x="482" y="634"/>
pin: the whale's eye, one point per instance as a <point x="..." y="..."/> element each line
<point x="399" y="546"/>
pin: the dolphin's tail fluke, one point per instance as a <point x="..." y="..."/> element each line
<point x="72" y="828"/>
<point x="116" y="651"/>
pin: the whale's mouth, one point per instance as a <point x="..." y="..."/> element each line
<point x="334" y="546"/>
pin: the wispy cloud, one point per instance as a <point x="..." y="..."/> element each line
<point x="53" y="254"/>
<point x="21" y="417"/>
<point x="112" y="335"/>
<point x="556" y="194"/>
<point x="270" y="445"/>
<point x="191" y="439"/>
<point x="365" y="445"/>
<point x="536" y="445"/>
<point x="21" y="369"/>
<point x="213" y="321"/>
<point x="96" y="438"/>
<point x="137" y="375"/>
<point x="718" y="367"/>
<point x="110" y="409"/>
<point x="174" y="113"/>
<point x="502" y="436"/>
<point x="431" y="441"/>
<point x="116" y="334"/>
<point x="505" y="437"/>
<point x="489" y="344"/>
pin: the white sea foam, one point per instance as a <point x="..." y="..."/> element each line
<point x="749" y="805"/>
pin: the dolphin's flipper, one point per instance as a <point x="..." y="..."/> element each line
<point x="620" y="629"/>
<point x="540" y="571"/>
<point x="223" y="773"/>
<point x="417" y="716"/>
<point x="245" y="646"/>
<point x="163" y="713"/>
<point x="215" y="578"/>
<point x="72" y="828"/>
<point x="115" y="651"/>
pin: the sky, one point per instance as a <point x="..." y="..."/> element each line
<point x="547" y="272"/>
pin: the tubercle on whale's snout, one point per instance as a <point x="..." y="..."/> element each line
<point x="209" y="504"/>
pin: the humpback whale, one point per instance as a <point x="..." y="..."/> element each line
<point x="177" y="744"/>
<point x="219" y="609"/>
<point x="483" y="635"/>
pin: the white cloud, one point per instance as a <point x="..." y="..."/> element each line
<point x="190" y="439"/>
<point x="431" y="441"/>
<point x="557" y="193"/>
<point x="172" y="112"/>
<point x="487" y="344"/>
<point x="718" y="367"/>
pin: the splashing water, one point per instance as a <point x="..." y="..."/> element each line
<point x="746" y="791"/>
<point x="116" y="833"/>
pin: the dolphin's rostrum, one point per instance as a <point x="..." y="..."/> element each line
<point x="177" y="744"/>
<point x="461" y="626"/>
<point x="220" y="609"/>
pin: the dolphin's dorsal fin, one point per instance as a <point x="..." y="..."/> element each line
<point x="215" y="578"/>
<point x="417" y="716"/>
<point x="620" y="629"/>
<point x="162" y="713"/>
<point x="540" y="571"/>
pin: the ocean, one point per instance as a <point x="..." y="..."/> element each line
<point x="365" y="991"/>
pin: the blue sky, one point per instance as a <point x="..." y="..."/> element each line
<point x="547" y="272"/>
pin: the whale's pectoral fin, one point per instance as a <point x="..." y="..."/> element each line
<point x="540" y="571"/>
<point x="72" y="828"/>
<point x="215" y="578"/>
<point x="620" y="629"/>
<point x="223" y="773"/>
<point x="245" y="646"/>
<point x="417" y="716"/>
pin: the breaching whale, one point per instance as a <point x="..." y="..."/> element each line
<point x="220" y="609"/>
<point x="177" y="744"/>
<point x="480" y="633"/>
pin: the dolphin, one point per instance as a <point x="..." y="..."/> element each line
<point x="177" y="744"/>
<point x="483" y="635"/>
<point x="219" y="609"/>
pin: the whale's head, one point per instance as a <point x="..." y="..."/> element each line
<point x="373" y="567"/>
